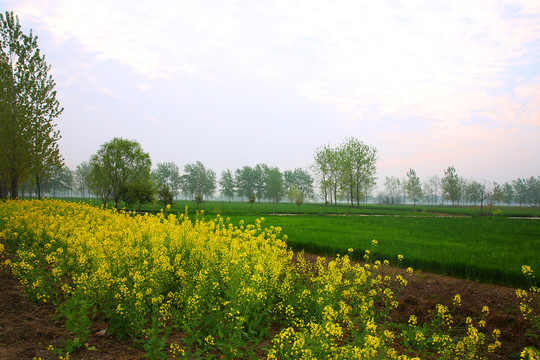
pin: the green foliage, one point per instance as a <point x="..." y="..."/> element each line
<point x="28" y="108"/>
<point x="413" y="186"/>
<point x="198" y="181"/>
<point x="300" y="180"/>
<point x="117" y="164"/>
<point x="347" y="170"/>
<point x="140" y="191"/>
<point x="165" y="195"/>
<point x="168" y="174"/>
<point x="227" y="184"/>
<point x="451" y="185"/>
<point x="295" y="195"/>
<point x="76" y="312"/>
<point x="273" y="180"/>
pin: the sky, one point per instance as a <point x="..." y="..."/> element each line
<point x="430" y="84"/>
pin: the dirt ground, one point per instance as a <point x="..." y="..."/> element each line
<point x="27" y="329"/>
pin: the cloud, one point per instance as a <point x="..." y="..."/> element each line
<point x="452" y="76"/>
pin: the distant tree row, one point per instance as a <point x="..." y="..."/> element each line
<point x="121" y="171"/>
<point x="458" y="190"/>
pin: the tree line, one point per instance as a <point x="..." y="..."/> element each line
<point x="122" y="171"/>
<point x="457" y="190"/>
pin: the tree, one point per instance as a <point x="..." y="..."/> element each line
<point x="431" y="189"/>
<point x="245" y="182"/>
<point x="295" y="195"/>
<point x="392" y="185"/>
<point x="533" y="190"/>
<point x="28" y="108"/>
<point x="61" y="179"/>
<point x="358" y="163"/>
<point x="138" y="191"/>
<point x="82" y="177"/>
<point x="259" y="180"/>
<point x="116" y="164"/>
<point x="273" y="185"/>
<point x="301" y="180"/>
<point x="498" y="193"/>
<point x="478" y="192"/>
<point x="198" y="182"/>
<point x="328" y="168"/>
<point x="520" y="191"/>
<point x="413" y="188"/>
<point x="227" y="184"/>
<point x="451" y="185"/>
<point x="168" y="174"/>
<point x="165" y="195"/>
<point x="348" y="169"/>
<point x="507" y="193"/>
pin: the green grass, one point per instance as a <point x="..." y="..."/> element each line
<point x="285" y="207"/>
<point x="485" y="249"/>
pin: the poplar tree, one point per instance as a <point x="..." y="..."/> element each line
<point x="413" y="186"/>
<point x="28" y="109"/>
<point x="227" y="183"/>
<point x="451" y="185"/>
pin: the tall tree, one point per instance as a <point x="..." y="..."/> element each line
<point x="259" y="179"/>
<point x="198" y="182"/>
<point x="273" y="185"/>
<point x="302" y="182"/>
<point x="414" y="188"/>
<point x="392" y="185"/>
<point x="520" y="191"/>
<point x="358" y="165"/>
<point x="451" y="185"/>
<point x="28" y="109"/>
<point x="82" y="177"/>
<point x="328" y="168"/>
<point x="432" y="188"/>
<point x="245" y="182"/>
<point x="116" y="164"/>
<point x="227" y="184"/>
<point x="508" y="193"/>
<point x="168" y="174"/>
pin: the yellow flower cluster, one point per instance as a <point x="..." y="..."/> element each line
<point x="217" y="284"/>
<point x="190" y="273"/>
<point x="529" y="303"/>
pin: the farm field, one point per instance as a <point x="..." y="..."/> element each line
<point x="486" y="249"/>
<point x="199" y="286"/>
<point x="454" y="241"/>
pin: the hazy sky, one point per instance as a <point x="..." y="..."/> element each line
<point x="231" y="83"/>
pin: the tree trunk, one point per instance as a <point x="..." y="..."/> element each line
<point x="38" y="187"/>
<point x="14" y="187"/>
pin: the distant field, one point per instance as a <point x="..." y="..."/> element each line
<point x="285" y="207"/>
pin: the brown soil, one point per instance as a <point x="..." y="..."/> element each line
<point x="27" y="329"/>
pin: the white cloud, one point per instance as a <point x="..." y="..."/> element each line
<point x="439" y="70"/>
